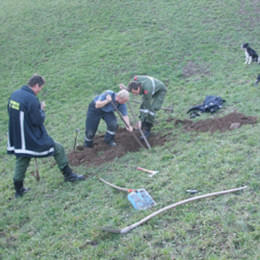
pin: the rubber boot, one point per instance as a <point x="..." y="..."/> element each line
<point x="111" y="143"/>
<point x="109" y="139"/>
<point x="19" y="189"/>
<point x="70" y="176"/>
<point x="88" y="144"/>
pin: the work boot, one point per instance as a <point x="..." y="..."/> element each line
<point x="88" y="144"/>
<point x="19" y="189"/>
<point x="109" y="138"/>
<point x="111" y="143"/>
<point x="70" y="176"/>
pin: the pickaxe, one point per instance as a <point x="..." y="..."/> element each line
<point x="152" y="173"/>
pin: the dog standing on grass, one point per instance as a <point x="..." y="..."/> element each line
<point x="250" y="54"/>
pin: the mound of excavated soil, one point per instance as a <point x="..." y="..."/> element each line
<point x="229" y="122"/>
<point x="102" y="153"/>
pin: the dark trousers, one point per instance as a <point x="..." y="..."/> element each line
<point x="94" y="116"/>
<point x="22" y="163"/>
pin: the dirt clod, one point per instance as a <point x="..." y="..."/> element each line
<point x="229" y="122"/>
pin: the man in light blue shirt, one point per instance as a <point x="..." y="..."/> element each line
<point x="103" y="107"/>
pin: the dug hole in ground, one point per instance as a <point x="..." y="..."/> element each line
<point x="102" y="153"/>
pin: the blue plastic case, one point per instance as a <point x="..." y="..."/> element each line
<point x="141" y="199"/>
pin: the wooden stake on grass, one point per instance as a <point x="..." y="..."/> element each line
<point x="37" y="175"/>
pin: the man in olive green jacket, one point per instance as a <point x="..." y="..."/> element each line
<point x="153" y="92"/>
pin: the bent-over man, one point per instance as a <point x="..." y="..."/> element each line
<point x="103" y="107"/>
<point x="153" y="92"/>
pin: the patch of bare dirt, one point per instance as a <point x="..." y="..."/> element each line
<point x="229" y="122"/>
<point x="102" y="153"/>
<point x="192" y="68"/>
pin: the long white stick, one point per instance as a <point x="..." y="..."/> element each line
<point x="115" y="186"/>
<point x="129" y="228"/>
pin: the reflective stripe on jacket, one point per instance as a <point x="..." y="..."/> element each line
<point x="27" y="135"/>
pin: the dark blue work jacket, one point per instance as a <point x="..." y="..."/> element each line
<point x="27" y="136"/>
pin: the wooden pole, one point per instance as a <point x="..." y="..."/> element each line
<point x="37" y="175"/>
<point x="140" y="129"/>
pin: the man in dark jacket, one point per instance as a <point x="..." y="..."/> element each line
<point x="27" y="136"/>
<point x="103" y="106"/>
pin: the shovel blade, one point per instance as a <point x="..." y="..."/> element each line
<point x="141" y="199"/>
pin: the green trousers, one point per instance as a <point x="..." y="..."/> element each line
<point x="157" y="102"/>
<point x="22" y="163"/>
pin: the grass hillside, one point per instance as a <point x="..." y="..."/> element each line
<point x="83" y="47"/>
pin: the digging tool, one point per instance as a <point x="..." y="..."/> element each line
<point x="37" y="175"/>
<point x="133" y="115"/>
<point x="139" y="128"/>
<point x="129" y="228"/>
<point x="75" y="139"/>
<point x="121" y="117"/>
<point x="139" y="198"/>
<point x="152" y="173"/>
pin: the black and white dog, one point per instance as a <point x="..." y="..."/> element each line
<point x="250" y="54"/>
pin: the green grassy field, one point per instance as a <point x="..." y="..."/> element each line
<point x="83" y="47"/>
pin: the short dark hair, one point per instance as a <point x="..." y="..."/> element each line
<point x="36" y="79"/>
<point x="133" y="85"/>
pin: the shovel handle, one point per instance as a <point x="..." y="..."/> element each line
<point x="37" y="175"/>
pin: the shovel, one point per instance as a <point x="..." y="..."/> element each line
<point x="139" y="198"/>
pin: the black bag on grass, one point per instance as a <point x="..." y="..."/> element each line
<point x="210" y="104"/>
